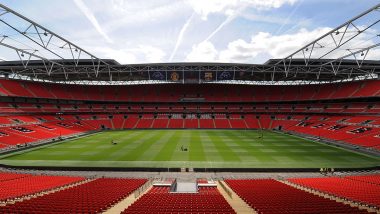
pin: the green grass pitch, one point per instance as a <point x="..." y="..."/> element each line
<point x="206" y="149"/>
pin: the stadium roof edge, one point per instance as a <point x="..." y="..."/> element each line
<point x="329" y="58"/>
<point x="192" y="72"/>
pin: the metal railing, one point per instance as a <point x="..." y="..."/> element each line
<point x="142" y="189"/>
<point x="226" y="189"/>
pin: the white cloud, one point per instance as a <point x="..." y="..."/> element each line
<point x="204" y="8"/>
<point x="140" y="54"/>
<point x="233" y="9"/>
<point x="265" y="43"/>
<point x="90" y="16"/>
<point x="2" y="58"/>
<point x="151" y="54"/>
<point x="262" y="43"/>
<point x="122" y="56"/>
<point x="203" y="52"/>
<point x="373" y="54"/>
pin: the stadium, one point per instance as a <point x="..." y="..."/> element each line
<point x="295" y="134"/>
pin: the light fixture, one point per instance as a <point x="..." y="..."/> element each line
<point x="22" y="54"/>
<point x="45" y="33"/>
<point x="362" y="54"/>
<point x="337" y="33"/>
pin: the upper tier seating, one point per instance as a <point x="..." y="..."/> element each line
<point x="352" y="108"/>
<point x="175" y="92"/>
<point x="270" y="196"/>
<point x="367" y="89"/>
<point x="159" y="200"/>
<point x="92" y="197"/>
<point x="353" y="189"/>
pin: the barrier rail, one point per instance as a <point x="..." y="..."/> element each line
<point x="227" y="190"/>
<point x="142" y="189"/>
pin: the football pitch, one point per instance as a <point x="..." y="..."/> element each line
<point x="205" y="149"/>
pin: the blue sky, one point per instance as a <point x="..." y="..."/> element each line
<point x="149" y="31"/>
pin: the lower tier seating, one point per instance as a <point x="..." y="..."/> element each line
<point x="191" y="123"/>
<point x="27" y="185"/>
<point x="5" y="176"/>
<point x="144" y="124"/>
<point x="362" y="131"/>
<point x="175" y="124"/>
<point x="222" y="124"/>
<point x="333" y="128"/>
<point x="160" y="123"/>
<point x="159" y="200"/>
<point x="92" y="197"/>
<point x="366" y="193"/>
<point x="238" y="124"/>
<point x="270" y="196"/>
<point x="372" y="179"/>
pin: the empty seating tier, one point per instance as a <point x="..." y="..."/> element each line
<point x="270" y="196"/>
<point x="176" y="92"/>
<point x="373" y="179"/>
<point x="27" y="185"/>
<point x="92" y="197"/>
<point x="359" y="191"/>
<point x="159" y="200"/>
<point x="4" y="176"/>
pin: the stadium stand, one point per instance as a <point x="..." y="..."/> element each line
<point x="4" y="176"/>
<point x="159" y="200"/>
<point x="351" y="188"/>
<point x="368" y="88"/>
<point x="25" y="185"/>
<point x="356" y="130"/>
<point x="333" y="117"/>
<point x="175" y="123"/>
<point x="91" y="197"/>
<point x="271" y="196"/>
<point x="372" y="179"/>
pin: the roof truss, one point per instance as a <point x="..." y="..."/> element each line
<point x="30" y="41"/>
<point x="358" y="39"/>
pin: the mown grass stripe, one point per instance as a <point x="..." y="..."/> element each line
<point x="207" y="148"/>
